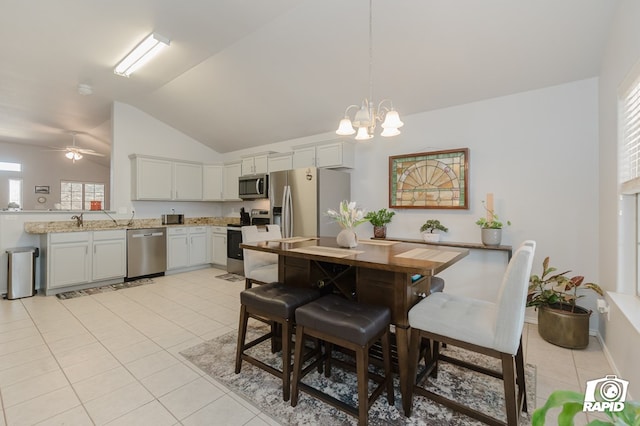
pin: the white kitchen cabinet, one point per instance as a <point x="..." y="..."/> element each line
<point x="152" y="178"/>
<point x="177" y="248"/>
<point x="68" y="259"/>
<point x="219" y="254"/>
<point x="257" y="164"/>
<point x="186" y="246"/>
<point x="165" y="179"/>
<point x="187" y="181"/>
<point x="109" y="254"/>
<point x="84" y="257"/>
<point x="232" y="172"/>
<point x="198" y="246"/>
<point x="212" y="182"/>
<point x="340" y="154"/>
<point x="280" y="162"/>
<point x="304" y="157"/>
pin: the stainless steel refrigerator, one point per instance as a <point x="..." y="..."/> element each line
<point x="301" y="197"/>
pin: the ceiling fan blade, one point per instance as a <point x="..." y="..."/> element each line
<point x="90" y="152"/>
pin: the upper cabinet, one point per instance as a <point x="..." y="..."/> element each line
<point x="187" y="181"/>
<point x="151" y="179"/>
<point x="256" y="164"/>
<point x="212" y="182"/>
<point x="339" y="154"/>
<point x="161" y="179"/>
<point x="279" y="162"/>
<point x="232" y="171"/>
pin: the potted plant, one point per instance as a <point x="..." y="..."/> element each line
<point x="572" y="403"/>
<point x="554" y="295"/>
<point x="429" y="226"/>
<point x="491" y="227"/>
<point x="379" y="221"/>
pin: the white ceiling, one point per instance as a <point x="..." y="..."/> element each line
<point x="242" y="73"/>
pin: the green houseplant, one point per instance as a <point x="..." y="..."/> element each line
<point x="429" y="227"/>
<point x="379" y="219"/>
<point x="560" y="320"/>
<point x="572" y="403"/>
<point x="491" y="227"/>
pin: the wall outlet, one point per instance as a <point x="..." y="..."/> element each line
<point x="603" y="307"/>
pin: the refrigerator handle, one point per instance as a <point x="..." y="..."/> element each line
<point x="290" y="207"/>
<point x="287" y="214"/>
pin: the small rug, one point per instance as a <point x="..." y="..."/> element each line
<point x="230" y="277"/>
<point x="104" y="288"/>
<point x="216" y="357"/>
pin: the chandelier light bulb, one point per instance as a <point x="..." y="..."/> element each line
<point x="345" y="128"/>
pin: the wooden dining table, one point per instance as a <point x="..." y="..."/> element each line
<point x="390" y="273"/>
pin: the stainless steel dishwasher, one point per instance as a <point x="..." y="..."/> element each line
<point x="146" y="252"/>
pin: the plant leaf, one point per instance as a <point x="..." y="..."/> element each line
<point x="557" y="399"/>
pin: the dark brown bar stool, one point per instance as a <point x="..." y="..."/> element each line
<point x="276" y="303"/>
<point x="351" y="325"/>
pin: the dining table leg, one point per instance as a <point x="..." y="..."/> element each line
<point x="404" y="370"/>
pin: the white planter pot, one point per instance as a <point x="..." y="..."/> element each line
<point x="347" y="238"/>
<point x="491" y="237"/>
<point x="431" y="237"/>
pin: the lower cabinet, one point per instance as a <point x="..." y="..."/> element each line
<point x="186" y="246"/>
<point x="78" y="258"/>
<point x="219" y="255"/>
<point x="109" y="255"/>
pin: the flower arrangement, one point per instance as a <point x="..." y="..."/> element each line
<point x="348" y="215"/>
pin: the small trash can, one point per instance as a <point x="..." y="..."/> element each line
<point x="21" y="281"/>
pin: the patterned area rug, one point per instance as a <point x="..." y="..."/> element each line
<point x="104" y="288"/>
<point x="230" y="277"/>
<point x="217" y="357"/>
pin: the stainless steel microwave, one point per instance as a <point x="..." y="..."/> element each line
<point x="254" y="186"/>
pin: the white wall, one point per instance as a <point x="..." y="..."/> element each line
<point x="616" y="245"/>
<point x="536" y="151"/>
<point x="135" y="132"/>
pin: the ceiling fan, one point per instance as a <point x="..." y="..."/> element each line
<point x="74" y="152"/>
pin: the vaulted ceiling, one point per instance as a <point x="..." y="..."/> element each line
<point x="242" y="73"/>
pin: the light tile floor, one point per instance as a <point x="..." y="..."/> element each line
<point x="113" y="358"/>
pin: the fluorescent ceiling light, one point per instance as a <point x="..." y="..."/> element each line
<point x="139" y="56"/>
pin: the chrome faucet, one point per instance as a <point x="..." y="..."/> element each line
<point x="79" y="220"/>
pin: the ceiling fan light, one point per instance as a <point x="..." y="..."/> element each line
<point x="390" y="131"/>
<point x="392" y="120"/>
<point x="69" y="155"/>
<point x="345" y="128"/>
<point x="77" y="156"/>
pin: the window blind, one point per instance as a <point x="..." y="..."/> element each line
<point x="630" y="126"/>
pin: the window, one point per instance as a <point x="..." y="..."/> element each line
<point x="629" y="161"/>
<point x="15" y="193"/>
<point x="10" y="167"/>
<point x="78" y="195"/>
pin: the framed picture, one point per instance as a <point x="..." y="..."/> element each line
<point x="42" y="189"/>
<point x="430" y="180"/>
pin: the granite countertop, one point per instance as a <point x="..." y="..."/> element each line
<point x="106" y="225"/>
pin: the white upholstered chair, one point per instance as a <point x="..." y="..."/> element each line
<point x="260" y="267"/>
<point x="493" y="329"/>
